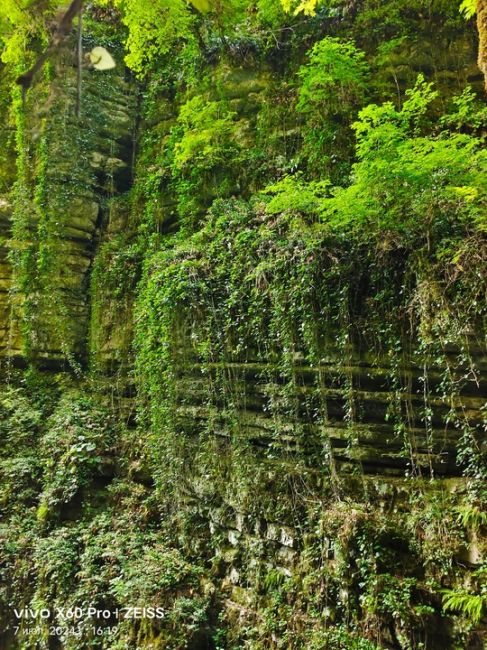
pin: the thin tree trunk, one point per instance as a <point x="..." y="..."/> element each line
<point x="80" y="62"/>
<point x="482" y="29"/>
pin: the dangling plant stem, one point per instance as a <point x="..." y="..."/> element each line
<point x="79" y="52"/>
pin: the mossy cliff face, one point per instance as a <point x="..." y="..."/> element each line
<point x="69" y="166"/>
<point x="228" y="389"/>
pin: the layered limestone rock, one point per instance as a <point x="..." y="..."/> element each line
<point x="370" y="442"/>
<point x="76" y="165"/>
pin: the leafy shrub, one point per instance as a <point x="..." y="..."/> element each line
<point x="75" y="448"/>
<point x="333" y="87"/>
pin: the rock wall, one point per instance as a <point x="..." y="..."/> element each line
<point x="302" y="503"/>
<point x="74" y="164"/>
<point x="372" y="443"/>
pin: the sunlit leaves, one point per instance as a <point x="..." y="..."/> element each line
<point x="336" y="73"/>
<point x="201" y="5"/>
<point x="408" y="181"/>
<point x="20" y="22"/>
<point x="154" y="28"/>
<point x="292" y="194"/>
<point x="468" y="8"/>
<point x="333" y="87"/>
<point x="206" y="126"/>
<point x="307" y="7"/>
<point x="470" y="605"/>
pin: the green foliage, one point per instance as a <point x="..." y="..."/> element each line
<point x="469" y="605"/>
<point x="339" y="638"/>
<point x="307" y="7"/>
<point x="161" y="577"/>
<point x="264" y="279"/>
<point x="335" y="75"/>
<point x="472" y="516"/>
<point x="422" y="186"/>
<point x="408" y="182"/>
<point x="22" y="23"/>
<point x="75" y="449"/>
<point x="203" y="154"/>
<point x="160" y="572"/>
<point x="206" y="129"/>
<point x="154" y="28"/>
<point x="21" y="420"/>
<point x="292" y="194"/>
<point x="333" y="86"/>
<point x="249" y="325"/>
<point x="271" y="12"/>
<point x="468" y="8"/>
<point x="161" y="28"/>
<point x="470" y="113"/>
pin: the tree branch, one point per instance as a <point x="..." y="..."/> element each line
<point x="61" y="32"/>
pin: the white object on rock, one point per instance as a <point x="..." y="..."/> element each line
<point x="101" y="59"/>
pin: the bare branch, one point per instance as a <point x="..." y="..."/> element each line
<point x="61" y="32"/>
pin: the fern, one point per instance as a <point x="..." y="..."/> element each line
<point x="471" y="606"/>
<point x="472" y="517"/>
